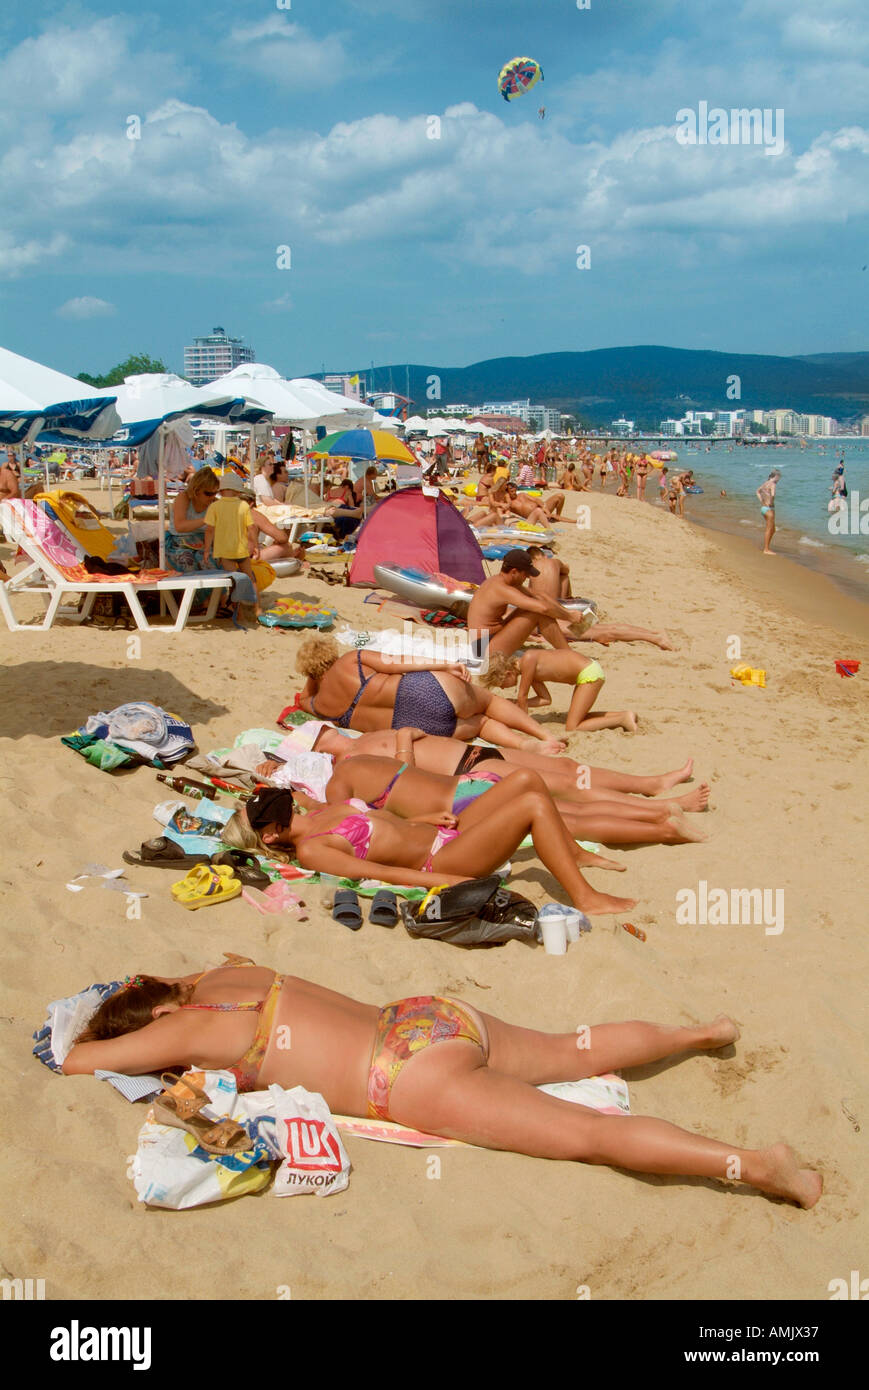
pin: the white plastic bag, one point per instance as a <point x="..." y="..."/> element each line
<point x="296" y="1127"/>
<point x="315" y="1159"/>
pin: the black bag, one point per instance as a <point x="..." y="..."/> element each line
<point x="477" y="913"/>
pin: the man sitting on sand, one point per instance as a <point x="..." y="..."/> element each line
<point x="495" y="630"/>
<point x="529" y="510"/>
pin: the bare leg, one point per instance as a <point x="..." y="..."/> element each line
<point x="538" y="1057"/>
<point x="563" y="775"/>
<point x="769" y="532"/>
<point x="581" y="702"/>
<point x="605" y="633"/>
<point x="447" y="1090"/>
<point x="493" y="826"/>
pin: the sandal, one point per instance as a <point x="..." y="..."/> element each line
<point x="206" y="884"/>
<point x="181" y="1111"/>
<point x="346" y="909"/>
<point x="384" y="909"/>
<point x="245" y="867"/>
<point x="162" y="853"/>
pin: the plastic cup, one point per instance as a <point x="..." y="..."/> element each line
<point x="553" y="930"/>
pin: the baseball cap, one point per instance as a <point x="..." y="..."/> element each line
<point x="518" y="560"/>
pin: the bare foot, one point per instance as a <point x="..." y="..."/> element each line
<point x="629" y="722"/>
<point x="552" y="746"/>
<point x="661" y="639"/>
<point x="598" y="904"/>
<point x="780" y="1174"/>
<point x="685" y="829"/>
<point x="586" y="858"/>
<point x="721" y="1031"/>
<point x="672" y="779"/>
<point x="695" y="800"/>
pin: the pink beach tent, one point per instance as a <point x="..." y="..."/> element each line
<point x="417" y="528"/>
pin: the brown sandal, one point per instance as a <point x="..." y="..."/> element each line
<point x="182" y="1112"/>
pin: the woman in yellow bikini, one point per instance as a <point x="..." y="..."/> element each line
<point x="394" y="1063"/>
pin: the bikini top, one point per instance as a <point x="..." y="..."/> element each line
<point x="356" y="830"/>
<point x="247" y="1069"/>
<point x="243" y="962"/>
<point x="343" y="720"/>
<point x="380" y="801"/>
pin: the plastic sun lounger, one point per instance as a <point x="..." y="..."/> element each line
<point x="56" y="569"/>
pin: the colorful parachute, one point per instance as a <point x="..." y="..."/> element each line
<point x="518" y="76"/>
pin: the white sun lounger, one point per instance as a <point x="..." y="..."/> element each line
<point x="52" y="574"/>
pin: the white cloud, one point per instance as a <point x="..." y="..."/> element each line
<point x="16" y="258"/>
<point x="283" y="52"/>
<point x="282" y="305"/>
<point x="86" y="307"/>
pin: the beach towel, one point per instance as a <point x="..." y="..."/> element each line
<point x="608" y="1094"/>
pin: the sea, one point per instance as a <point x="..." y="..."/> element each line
<point x="805" y="529"/>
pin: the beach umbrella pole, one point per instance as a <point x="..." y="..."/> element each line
<point x="161" y="500"/>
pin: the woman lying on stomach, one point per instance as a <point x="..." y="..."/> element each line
<point x="354" y="841"/>
<point x="394" y="1063"/>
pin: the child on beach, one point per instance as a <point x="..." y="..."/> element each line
<point x="532" y="669"/>
<point x="231" y="535"/>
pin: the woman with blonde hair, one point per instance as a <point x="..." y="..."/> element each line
<point x="185" y="534"/>
<point x="369" y="690"/>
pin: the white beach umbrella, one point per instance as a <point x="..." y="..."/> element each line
<point x="35" y="399"/>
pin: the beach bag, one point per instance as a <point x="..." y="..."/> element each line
<point x="481" y="912"/>
<point x="169" y="1169"/>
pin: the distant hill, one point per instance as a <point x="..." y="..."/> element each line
<point x="646" y="384"/>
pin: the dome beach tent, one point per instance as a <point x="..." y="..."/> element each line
<point x="417" y="528"/>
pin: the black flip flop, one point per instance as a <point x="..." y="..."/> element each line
<point x="346" y="909"/>
<point x="162" y="853"/>
<point x="384" y="909"/>
<point x="245" y="866"/>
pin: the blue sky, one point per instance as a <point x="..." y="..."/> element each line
<point x="307" y="127"/>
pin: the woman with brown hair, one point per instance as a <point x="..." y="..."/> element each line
<point x="393" y="1063"/>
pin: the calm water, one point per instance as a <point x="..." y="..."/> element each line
<point x="801" y="500"/>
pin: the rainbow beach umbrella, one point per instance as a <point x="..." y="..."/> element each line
<point x="373" y="446"/>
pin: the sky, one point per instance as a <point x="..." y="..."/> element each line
<point x="263" y="126"/>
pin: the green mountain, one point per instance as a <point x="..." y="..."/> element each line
<point x="646" y="384"/>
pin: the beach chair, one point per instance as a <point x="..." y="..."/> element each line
<point x="56" y="569"/>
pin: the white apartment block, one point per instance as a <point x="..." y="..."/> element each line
<point x="214" y="355"/>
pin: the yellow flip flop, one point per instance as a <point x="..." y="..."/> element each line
<point x="206" y="884"/>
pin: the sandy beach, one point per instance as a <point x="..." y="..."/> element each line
<point x="788" y="767"/>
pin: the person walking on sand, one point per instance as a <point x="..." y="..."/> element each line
<point x="766" y="496"/>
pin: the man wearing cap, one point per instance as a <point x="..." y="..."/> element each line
<point x="494" y="629"/>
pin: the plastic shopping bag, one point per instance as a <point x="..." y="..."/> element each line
<point x="315" y="1160"/>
